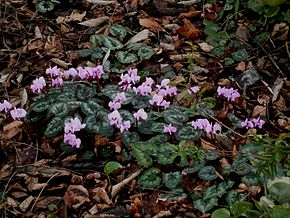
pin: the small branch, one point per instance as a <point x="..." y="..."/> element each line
<point x="116" y="188"/>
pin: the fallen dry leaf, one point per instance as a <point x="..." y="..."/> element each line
<point x="101" y="2"/>
<point x="204" y="46"/>
<point x="150" y="23"/>
<point x="139" y="37"/>
<point x="26" y="203"/>
<point x="188" y="30"/>
<point x="95" y="21"/>
<point x="60" y="62"/>
<point x="277" y="86"/>
<point x="74" y="16"/>
<point x="100" y="193"/>
<point x="259" y="110"/>
<point x="12" y="129"/>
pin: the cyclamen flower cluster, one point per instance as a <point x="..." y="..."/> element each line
<point x="159" y="101"/>
<point x="57" y="75"/>
<point x="204" y="124"/>
<point x="251" y="123"/>
<point x="116" y="103"/>
<point x="145" y="88"/>
<point x="72" y="126"/>
<point x="128" y="79"/>
<point x="231" y="94"/>
<point x="16" y="113"/>
<point x="116" y="119"/>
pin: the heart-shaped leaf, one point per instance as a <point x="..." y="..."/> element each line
<point x="118" y="30"/>
<point x="164" y="154"/>
<point x="207" y="173"/>
<point x="41" y="106"/>
<point x="172" y="180"/>
<point x="222" y="212"/>
<point x="149" y="178"/>
<point x="204" y="206"/>
<point x="85" y="92"/>
<point x="59" y="109"/>
<point x="126" y="57"/>
<point x="174" y="116"/>
<point x="129" y="137"/>
<point x="54" y="127"/>
<point x="143" y="151"/>
<point x="111" y="166"/>
<point x="187" y="133"/>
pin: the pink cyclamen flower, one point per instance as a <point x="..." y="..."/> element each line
<point x="73" y="125"/>
<point x="98" y="71"/>
<point x="114" y="105"/>
<point x="53" y="72"/>
<point x="169" y="129"/>
<point x="140" y="114"/>
<point x="193" y="90"/>
<point x="83" y="73"/>
<point x="120" y="97"/>
<point x="18" y="113"/>
<point x="204" y="124"/>
<point x="142" y="90"/>
<point x="58" y="81"/>
<point x="115" y="118"/>
<point x="5" y="106"/>
<point x="72" y="72"/>
<point x="133" y="75"/>
<point x="124" y="126"/>
<point x="71" y="139"/>
<point x="231" y="94"/>
<point x="128" y="79"/>
<point x="37" y="85"/>
<point x="258" y="122"/>
<point x="164" y="84"/>
<point x="251" y="123"/>
<point x="156" y="99"/>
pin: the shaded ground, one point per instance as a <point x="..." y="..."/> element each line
<point x="38" y="179"/>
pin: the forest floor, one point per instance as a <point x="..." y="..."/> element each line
<point x="192" y="43"/>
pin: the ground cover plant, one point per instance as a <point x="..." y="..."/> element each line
<point x="145" y="109"/>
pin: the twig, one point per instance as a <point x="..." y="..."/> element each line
<point x="271" y="59"/>
<point x="42" y="191"/>
<point x="116" y="188"/>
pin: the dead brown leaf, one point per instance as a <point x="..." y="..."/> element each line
<point x="95" y="21"/>
<point x="74" y="16"/>
<point x="101" y="194"/>
<point x="241" y="66"/>
<point x="142" y="35"/>
<point x="76" y="195"/>
<point x="190" y="14"/>
<point x="26" y="203"/>
<point x="259" y="110"/>
<point x="12" y="129"/>
<point x="150" y="23"/>
<point x="189" y="30"/>
<point x="277" y="86"/>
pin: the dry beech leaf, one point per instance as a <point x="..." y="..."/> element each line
<point x="278" y="84"/>
<point x="204" y="46"/>
<point x="60" y="62"/>
<point x="241" y="66"/>
<point x="74" y="16"/>
<point x="12" y="129"/>
<point x="26" y="203"/>
<point x="101" y="2"/>
<point x="188" y="30"/>
<point x="139" y="37"/>
<point x="190" y="14"/>
<point x="259" y="111"/>
<point x="150" y="23"/>
<point x="102" y="194"/>
<point x="95" y="22"/>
